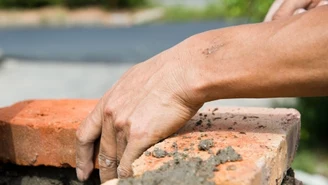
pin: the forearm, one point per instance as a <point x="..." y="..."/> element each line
<point x="280" y="58"/>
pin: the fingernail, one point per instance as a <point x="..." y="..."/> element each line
<point x="80" y="174"/>
<point x="299" y="11"/>
<point x="323" y="3"/>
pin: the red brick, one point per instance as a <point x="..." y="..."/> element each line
<point x="41" y="132"/>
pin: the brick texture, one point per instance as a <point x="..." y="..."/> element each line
<point x="42" y="132"/>
<point x="266" y="139"/>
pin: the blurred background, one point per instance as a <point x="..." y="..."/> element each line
<point x="80" y="48"/>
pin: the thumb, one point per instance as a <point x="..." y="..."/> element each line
<point x="288" y="8"/>
<point x="273" y="9"/>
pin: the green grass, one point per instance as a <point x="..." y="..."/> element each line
<point x="314" y="161"/>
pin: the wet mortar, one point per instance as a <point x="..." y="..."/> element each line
<point x="26" y="175"/>
<point x="205" y="144"/>
<point x="42" y="175"/>
<point x="183" y="170"/>
<point x="159" y="153"/>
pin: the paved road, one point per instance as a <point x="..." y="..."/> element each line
<point x="133" y="44"/>
<point x="60" y="62"/>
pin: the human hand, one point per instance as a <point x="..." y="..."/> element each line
<point x="285" y="8"/>
<point x="150" y="102"/>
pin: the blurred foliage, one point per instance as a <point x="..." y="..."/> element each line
<point x="71" y="3"/>
<point x="254" y="10"/>
<point x="313" y="148"/>
<point x="314" y="161"/>
<point x="181" y="13"/>
<point x="26" y="4"/>
<point x="314" y="115"/>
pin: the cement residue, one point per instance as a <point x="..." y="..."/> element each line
<point x="205" y="144"/>
<point x="41" y="175"/>
<point x="159" y="153"/>
<point x="289" y="178"/>
<point x="183" y="170"/>
<point x="228" y="154"/>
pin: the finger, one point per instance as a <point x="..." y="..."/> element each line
<point x="288" y="8"/>
<point x="111" y="182"/>
<point x="322" y="3"/>
<point x="87" y="133"/>
<point x="120" y="145"/>
<point x="107" y="151"/>
<point x="273" y="9"/>
<point x="133" y="150"/>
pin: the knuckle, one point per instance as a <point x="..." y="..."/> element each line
<point x="81" y="139"/>
<point x="120" y="123"/>
<point x="108" y="111"/>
